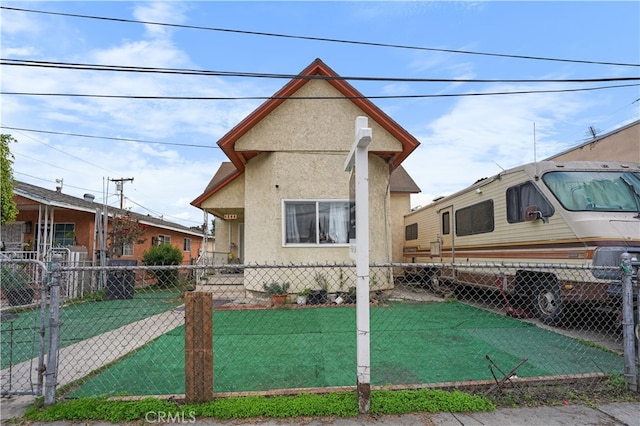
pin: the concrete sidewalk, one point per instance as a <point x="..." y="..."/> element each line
<point x="79" y="359"/>
<point x="621" y="413"/>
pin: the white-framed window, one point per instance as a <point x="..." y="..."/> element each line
<point x="186" y="246"/>
<point x="127" y="249"/>
<point x="63" y="234"/>
<point x="164" y="239"/>
<point x="315" y="222"/>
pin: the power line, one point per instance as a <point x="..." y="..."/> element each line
<point x="108" y="138"/>
<point x="187" y="71"/>
<point x="322" y="39"/>
<point x="50" y="181"/>
<point x="156" y="213"/>
<point x="66" y="153"/>
<point x="161" y="214"/>
<point x="238" y="98"/>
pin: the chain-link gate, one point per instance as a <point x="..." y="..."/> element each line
<point x="23" y="322"/>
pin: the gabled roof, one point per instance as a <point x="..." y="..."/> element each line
<point x="320" y="69"/>
<point x="64" y="201"/>
<point x="225" y="174"/>
<point x="400" y="181"/>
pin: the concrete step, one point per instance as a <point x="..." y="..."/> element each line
<point x="222" y="279"/>
<point x="223" y="291"/>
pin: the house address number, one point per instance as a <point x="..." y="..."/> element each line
<point x="230" y="216"/>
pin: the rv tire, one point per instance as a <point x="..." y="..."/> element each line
<point x="547" y="302"/>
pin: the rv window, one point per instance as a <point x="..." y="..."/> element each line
<point x="613" y="191"/>
<point x="522" y="196"/>
<point x="476" y="219"/>
<point x="411" y="232"/>
<point x="446" y="223"/>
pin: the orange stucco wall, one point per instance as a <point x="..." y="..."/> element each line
<point x="84" y="231"/>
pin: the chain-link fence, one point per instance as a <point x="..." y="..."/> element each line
<point x="291" y="327"/>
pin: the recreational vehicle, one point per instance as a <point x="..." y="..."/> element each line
<point x="532" y="220"/>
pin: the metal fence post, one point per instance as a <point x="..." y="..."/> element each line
<point x="628" y="324"/>
<point x="52" y="355"/>
<point x="42" y="283"/>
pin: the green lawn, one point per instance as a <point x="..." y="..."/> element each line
<point x="410" y="343"/>
<point x="80" y="321"/>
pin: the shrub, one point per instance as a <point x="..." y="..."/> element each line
<point x="277" y="288"/>
<point x="164" y="254"/>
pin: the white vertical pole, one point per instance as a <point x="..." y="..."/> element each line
<point x="360" y="151"/>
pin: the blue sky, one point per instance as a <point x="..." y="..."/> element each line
<point x="462" y="138"/>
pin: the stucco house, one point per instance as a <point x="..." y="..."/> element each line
<point x="283" y="196"/>
<point x="51" y="219"/>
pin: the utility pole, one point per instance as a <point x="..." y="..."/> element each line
<point x="119" y="185"/>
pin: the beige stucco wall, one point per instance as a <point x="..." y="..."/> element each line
<point x="620" y="146"/>
<point x="308" y="176"/>
<point x="313" y="125"/>
<point x="229" y="197"/>
<point x="400" y="205"/>
<point x="313" y="176"/>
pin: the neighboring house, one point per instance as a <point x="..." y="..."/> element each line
<point x="284" y="195"/>
<point x="49" y="219"/>
<point x="622" y="144"/>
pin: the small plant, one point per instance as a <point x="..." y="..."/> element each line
<point x="276" y="288"/>
<point x="321" y="280"/>
<point x="304" y="292"/>
<point x="351" y="295"/>
<point x="373" y="280"/>
<point x="343" y="280"/>
<point x="301" y="298"/>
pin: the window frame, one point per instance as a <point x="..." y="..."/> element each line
<point x="445" y="223"/>
<point x="58" y="229"/>
<point x="317" y="202"/>
<point x="470" y="211"/>
<point x="411" y="232"/>
<point x="186" y="244"/>
<point x="127" y="249"/>
<point x="519" y="215"/>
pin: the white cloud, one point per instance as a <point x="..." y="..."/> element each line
<point x="165" y="11"/>
<point x="481" y="135"/>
